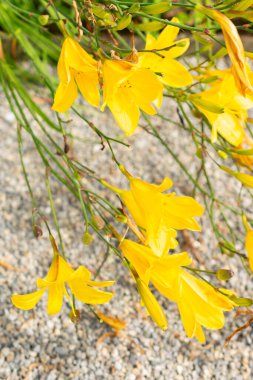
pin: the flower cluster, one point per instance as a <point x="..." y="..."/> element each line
<point x="130" y="85"/>
<point x="59" y="275"/>
<point x="159" y="216"/>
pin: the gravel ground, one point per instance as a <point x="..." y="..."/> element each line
<point x="35" y="346"/>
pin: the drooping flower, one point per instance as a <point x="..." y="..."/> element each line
<point x="160" y="215"/>
<point x="234" y="47"/>
<point x="162" y="60"/>
<point x="198" y="302"/>
<point x="249" y="247"/>
<point x="76" y="68"/>
<point x="60" y="273"/>
<point x="127" y="89"/>
<point x="224" y="107"/>
<point x="249" y="242"/>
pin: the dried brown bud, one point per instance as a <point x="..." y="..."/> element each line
<point x="37" y="230"/>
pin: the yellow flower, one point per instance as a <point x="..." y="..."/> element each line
<point x="58" y="275"/>
<point x="75" y="68"/>
<point x="160" y="215"/>
<point x="249" y="247"/>
<point x="198" y="302"/>
<point x="234" y="47"/>
<point x="162" y="62"/>
<point x="229" y="118"/>
<point x="127" y="89"/>
<point x="249" y="242"/>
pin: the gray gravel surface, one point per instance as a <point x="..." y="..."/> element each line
<point x="35" y="346"/>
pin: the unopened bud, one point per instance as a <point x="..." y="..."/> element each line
<point x="121" y="218"/>
<point x="87" y="238"/>
<point x="241" y="301"/>
<point x="224" y="274"/>
<point x="222" y="154"/>
<point x="75" y="316"/>
<point x="43" y="19"/>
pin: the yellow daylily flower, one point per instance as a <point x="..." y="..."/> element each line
<point x="60" y="273"/>
<point x="234" y="47"/>
<point x="198" y="302"/>
<point x="127" y="89"/>
<point x="76" y="68"/>
<point x="160" y="215"/>
<point x="249" y="242"/>
<point x="229" y="119"/>
<point x="162" y="62"/>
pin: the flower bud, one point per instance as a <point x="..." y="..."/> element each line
<point x="87" y="238"/>
<point x="224" y="274"/>
<point x="241" y="301"/>
<point x="43" y="19"/>
<point x="222" y="154"/>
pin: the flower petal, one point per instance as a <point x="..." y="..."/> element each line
<point x="230" y="128"/>
<point x="55" y="298"/>
<point x="174" y="74"/>
<point x="125" y="110"/>
<point x="87" y="294"/>
<point x="87" y="83"/>
<point x="153" y="307"/>
<point x="27" y="301"/>
<point x="65" y="95"/>
<point x="249" y="247"/>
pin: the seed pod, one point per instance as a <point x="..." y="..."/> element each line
<point x="43" y="19"/>
<point x="75" y="316"/>
<point x="241" y="301"/>
<point x="87" y="238"/>
<point x="224" y="274"/>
